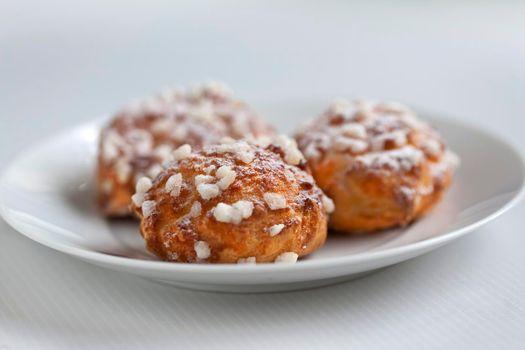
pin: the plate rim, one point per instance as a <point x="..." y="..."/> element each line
<point x="337" y="261"/>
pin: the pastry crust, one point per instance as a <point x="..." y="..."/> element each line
<point x="381" y="165"/>
<point x="142" y="136"/>
<point x="233" y="203"/>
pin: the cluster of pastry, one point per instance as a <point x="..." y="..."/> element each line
<point x="212" y="182"/>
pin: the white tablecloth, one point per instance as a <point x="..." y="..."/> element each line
<point x="62" y="63"/>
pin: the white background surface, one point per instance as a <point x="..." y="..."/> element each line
<point x="63" y="63"/>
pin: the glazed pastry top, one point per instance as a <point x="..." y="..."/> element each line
<point x="144" y="134"/>
<point x="379" y="137"/>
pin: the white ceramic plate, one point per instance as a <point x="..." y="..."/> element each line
<point x="47" y="194"/>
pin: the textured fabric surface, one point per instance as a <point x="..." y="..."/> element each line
<point x="62" y="64"/>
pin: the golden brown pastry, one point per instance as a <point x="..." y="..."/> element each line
<point x="234" y="202"/>
<point x="142" y="136"/>
<point x="380" y="164"/>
